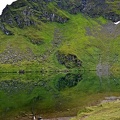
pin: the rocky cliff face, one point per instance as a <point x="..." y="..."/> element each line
<point x="70" y="61"/>
<point x="24" y="13"/>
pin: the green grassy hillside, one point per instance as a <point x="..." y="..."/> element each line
<point x="39" y="35"/>
<point x="91" y="40"/>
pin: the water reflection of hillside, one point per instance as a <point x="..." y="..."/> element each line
<point x="50" y="93"/>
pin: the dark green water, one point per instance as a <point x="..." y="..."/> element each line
<point x="53" y="94"/>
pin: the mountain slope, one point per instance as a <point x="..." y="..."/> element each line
<point x="24" y="13"/>
<point x="58" y="34"/>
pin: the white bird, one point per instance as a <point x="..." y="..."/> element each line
<point x="34" y="118"/>
<point x="116" y="22"/>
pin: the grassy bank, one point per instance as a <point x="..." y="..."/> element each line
<point x="104" y="111"/>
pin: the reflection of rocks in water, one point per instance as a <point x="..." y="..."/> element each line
<point x="102" y="69"/>
<point x="70" y="80"/>
<point x="12" y="86"/>
<point x="15" y="86"/>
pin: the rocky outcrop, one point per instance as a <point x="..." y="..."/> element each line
<point x="36" y="41"/>
<point x="7" y="32"/>
<point x="69" y="60"/>
<point x="24" y="13"/>
<point x="94" y="8"/>
<point x="14" y="55"/>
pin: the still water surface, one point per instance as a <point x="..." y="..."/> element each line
<point x="54" y="94"/>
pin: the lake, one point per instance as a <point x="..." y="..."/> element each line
<point x="54" y="94"/>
